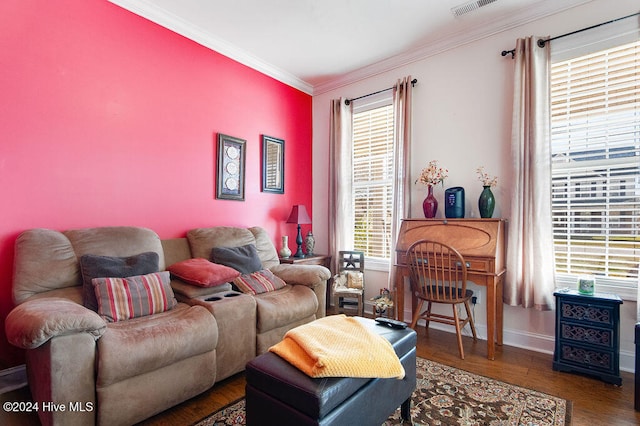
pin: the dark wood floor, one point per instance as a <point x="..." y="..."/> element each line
<point x="594" y="402"/>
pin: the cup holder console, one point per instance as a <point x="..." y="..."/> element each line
<point x="215" y="298"/>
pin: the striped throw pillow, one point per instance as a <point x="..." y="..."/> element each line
<point x="258" y="282"/>
<point x="125" y="298"/>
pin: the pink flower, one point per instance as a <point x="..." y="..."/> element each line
<point x="432" y="174"/>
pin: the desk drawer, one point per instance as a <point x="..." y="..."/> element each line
<point x="594" y="336"/>
<point x="479" y="265"/>
<point x="594" y="313"/>
<point x="587" y="357"/>
<point x="473" y="265"/>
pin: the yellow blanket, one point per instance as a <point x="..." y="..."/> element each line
<point x="339" y="346"/>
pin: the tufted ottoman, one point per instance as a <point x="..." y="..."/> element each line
<point x="278" y="393"/>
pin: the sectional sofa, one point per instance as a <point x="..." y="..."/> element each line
<point x="151" y="338"/>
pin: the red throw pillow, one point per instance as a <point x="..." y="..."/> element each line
<point x="202" y="273"/>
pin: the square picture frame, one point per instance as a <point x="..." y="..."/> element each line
<point x="272" y="165"/>
<point x="231" y="168"/>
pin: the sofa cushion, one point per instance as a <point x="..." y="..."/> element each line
<point x="44" y="261"/>
<point x="138" y="346"/>
<point x="125" y="298"/>
<point x="243" y="259"/>
<point x="285" y="306"/>
<point x="258" y="282"/>
<point x="93" y="266"/>
<point x="202" y="240"/>
<point x="266" y="250"/>
<point x="121" y="241"/>
<point x="202" y="273"/>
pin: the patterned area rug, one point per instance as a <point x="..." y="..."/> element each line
<point x="449" y="396"/>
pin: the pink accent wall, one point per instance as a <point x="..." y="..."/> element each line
<point x="109" y="119"/>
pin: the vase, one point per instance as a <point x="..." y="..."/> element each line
<point x="285" y="251"/>
<point x="430" y="204"/>
<point x="309" y="243"/>
<point x="486" y="202"/>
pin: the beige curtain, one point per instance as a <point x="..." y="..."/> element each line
<point x="402" y="98"/>
<point x="340" y="184"/>
<point x="530" y="279"/>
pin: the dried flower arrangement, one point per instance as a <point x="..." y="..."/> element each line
<point x="432" y="174"/>
<point x="485" y="179"/>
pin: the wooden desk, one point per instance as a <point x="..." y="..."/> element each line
<point x="482" y="242"/>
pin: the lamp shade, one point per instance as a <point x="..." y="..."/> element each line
<point x="299" y="215"/>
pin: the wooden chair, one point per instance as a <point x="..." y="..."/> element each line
<point x="438" y="274"/>
<point x="348" y="284"/>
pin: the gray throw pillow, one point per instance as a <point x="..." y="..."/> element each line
<point x="243" y="259"/>
<point x="94" y="266"/>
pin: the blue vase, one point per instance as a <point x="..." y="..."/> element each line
<point x="486" y="202"/>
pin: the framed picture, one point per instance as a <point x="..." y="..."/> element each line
<point x="272" y="165"/>
<point x="231" y="165"/>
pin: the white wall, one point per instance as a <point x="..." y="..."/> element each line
<point x="462" y="117"/>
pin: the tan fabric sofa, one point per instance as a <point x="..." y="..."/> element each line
<point x="123" y="372"/>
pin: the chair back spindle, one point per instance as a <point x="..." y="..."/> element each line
<point x="438" y="274"/>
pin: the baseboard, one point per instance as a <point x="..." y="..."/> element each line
<point x="531" y="341"/>
<point x="13" y="378"/>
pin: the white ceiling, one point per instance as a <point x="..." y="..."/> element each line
<point x="316" y="45"/>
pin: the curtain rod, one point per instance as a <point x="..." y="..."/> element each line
<point x="348" y="101"/>
<point x="542" y="42"/>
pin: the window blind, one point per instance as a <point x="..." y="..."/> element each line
<point x="372" y="180"/>
<point x="595" y="148"/>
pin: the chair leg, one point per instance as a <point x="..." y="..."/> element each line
<point x="458" y="331"/>
<point x="471" y="323"/>
<point x="416" y="315"/>
<point x="428" y="314"/>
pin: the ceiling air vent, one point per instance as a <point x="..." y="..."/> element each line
<point x="470" y="6"/>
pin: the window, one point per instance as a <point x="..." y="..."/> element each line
<point x="372" y="177"/>
<point x="595" y="148"/>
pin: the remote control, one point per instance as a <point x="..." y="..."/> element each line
<point x="391" y="323"/>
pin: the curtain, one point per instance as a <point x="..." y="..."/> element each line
<point x="402" y="96"/>
<point x="530" y="278"/>
<point x="340" y="184"/>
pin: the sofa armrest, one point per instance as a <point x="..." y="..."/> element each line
<point x="308" y="275"/>
<point x="34" y="322"/>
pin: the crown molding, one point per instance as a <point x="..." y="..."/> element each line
<point x="162" y="17"/>
<point x="451" y="41"/>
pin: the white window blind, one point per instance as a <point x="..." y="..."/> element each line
<point x="595" y="147"/>
<point x="372" y="183"/>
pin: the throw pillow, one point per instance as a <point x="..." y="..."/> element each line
<point x="258" y="282"/>
<point x="125" y="298"/>
<point x="202" y="273"/>
<point x="93" y="266"/>
<point x="355" y="280"/>
<point x="243" y="259"/>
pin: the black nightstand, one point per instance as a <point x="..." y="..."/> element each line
<point x="588" y="334"/>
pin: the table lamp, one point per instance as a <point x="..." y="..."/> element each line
<point x="299" y="215"/>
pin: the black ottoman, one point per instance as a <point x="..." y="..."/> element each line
<point x="278" y="393"/>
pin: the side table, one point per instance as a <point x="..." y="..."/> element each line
<point x="588" y="334"/>
<point x="316" y="259"/>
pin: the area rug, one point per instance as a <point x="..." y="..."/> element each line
<point x="448" y="396"/>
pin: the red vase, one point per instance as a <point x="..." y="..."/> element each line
<point x="430" y="204"/>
